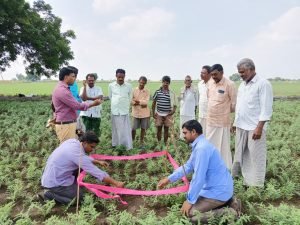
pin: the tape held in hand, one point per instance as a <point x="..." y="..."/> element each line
<point x="108" y="192"/>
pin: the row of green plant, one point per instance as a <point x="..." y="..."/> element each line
<point x="25" y="145"/>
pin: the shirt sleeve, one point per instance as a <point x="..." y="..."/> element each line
<point x="129" y="91"/>
<point x="88" y="166"/>
<point x="68" y="99"/>
<point x="232" y="95"/>
<point x="266" y="101"/>
<point x="109" y="91"/>
<point x="155" y="95"/>
<point x="186" y="169"/>
<point x="200" y="169"/>
<point x="145" y="101"/>
<point x="196" y="94"/>
<point x="100" y="92"/>
<point x="81" y="91"/>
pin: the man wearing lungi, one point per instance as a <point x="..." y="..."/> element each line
<point x="253" y="111"/>
<point x="119" y="93"/>
<point x="221" y="102"/>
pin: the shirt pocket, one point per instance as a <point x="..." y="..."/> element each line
<point x="220" y="96"/>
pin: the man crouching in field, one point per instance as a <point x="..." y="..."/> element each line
<point x="211" y="187"/>
<point x="58" y="178"/>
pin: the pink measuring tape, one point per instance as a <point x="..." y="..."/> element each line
<point x="102" y="191"/>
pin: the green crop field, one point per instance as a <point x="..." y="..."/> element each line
<point x="280" y="88"/>
<point x="25" y="145"/>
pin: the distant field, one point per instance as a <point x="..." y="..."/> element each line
<point x="280" y="88"/>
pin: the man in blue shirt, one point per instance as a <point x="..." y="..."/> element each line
<point x="211" y="186"/>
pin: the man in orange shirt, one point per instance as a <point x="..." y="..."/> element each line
<point x="221" y="95"/>
<point x="140" y="110"/>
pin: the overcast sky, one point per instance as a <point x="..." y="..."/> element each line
<point x="176" y="38"/>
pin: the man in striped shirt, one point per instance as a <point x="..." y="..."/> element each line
<point x="163" y="107"/>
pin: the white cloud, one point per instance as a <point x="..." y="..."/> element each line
<point x="108" y="6"/>
<point x="145" y="24"/>
<point x="283" y="29"/>
<point x="275" y="49"/>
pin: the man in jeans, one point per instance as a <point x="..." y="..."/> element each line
<point x="89" y="92"/>
<point x="163" y="107"/>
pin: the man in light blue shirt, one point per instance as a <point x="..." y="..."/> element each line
<point x="211" y="186"/>
<point x="119" y="93"/>
<point x="58" y="179"/>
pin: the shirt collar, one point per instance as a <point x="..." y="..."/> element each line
<point x="195" y="142"/>
<point x="221" y="81"/>
<point x="61" y="83"/>
<point x="253" y="80"/>
<point x="119" y="84"/>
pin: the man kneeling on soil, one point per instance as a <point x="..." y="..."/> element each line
<point x="211" y="187"/>
<point x="58" y="178"/>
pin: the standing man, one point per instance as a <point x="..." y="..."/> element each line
<point x="202" y="88"/>
<point x="58" y="178"/>
<point x="253" y="111"/>
<point x="140" y="110"/>
<point x="74" y="86"/>
<point x="92" y="117"/>
<point x="211" y="186"/>
<point x="188" y="102"/>
<point x="221" y="102"/>
<point x="75" y="93"/>
<point x="163" y="107"/>
<point x="65" y="105"/>
<point x="120" y="95"/>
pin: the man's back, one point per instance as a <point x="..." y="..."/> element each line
<point x="211" y="169"/>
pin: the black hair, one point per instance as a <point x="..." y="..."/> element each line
<point x="74" y="69"/>
<point x="218" y="67"/>
<point x="65" y="71"/>
<point x="166" y="78"/>
<point x="207" y="68"/>
<point x="89" y="137"/>
<point x="143" y="78"/>
<point x="91" y="75"/>
<point x="193" y="125"/>
<point x="120" y="71"/>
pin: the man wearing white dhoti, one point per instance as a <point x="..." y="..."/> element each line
<point x="202" y="88"/>
<point x="253" y="111"/>
<point x="221" y="95"/>
<point x="120" y="95"/>
<point x="188" y="101"/>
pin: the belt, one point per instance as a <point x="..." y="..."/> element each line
<point x="66" y="122"/>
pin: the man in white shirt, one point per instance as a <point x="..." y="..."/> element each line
<point x="202" y="88"/>
<point x="253" y="111"/>
<point x="120" y="95"/>
<point x="188" y="102"/>
<point x="88" y="93"/>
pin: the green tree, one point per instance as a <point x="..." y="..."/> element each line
<point x="235" y="77"/>
<point x="20" y="76"/>
<point x="32" y="77"/>
<point x="33" y="32"/>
